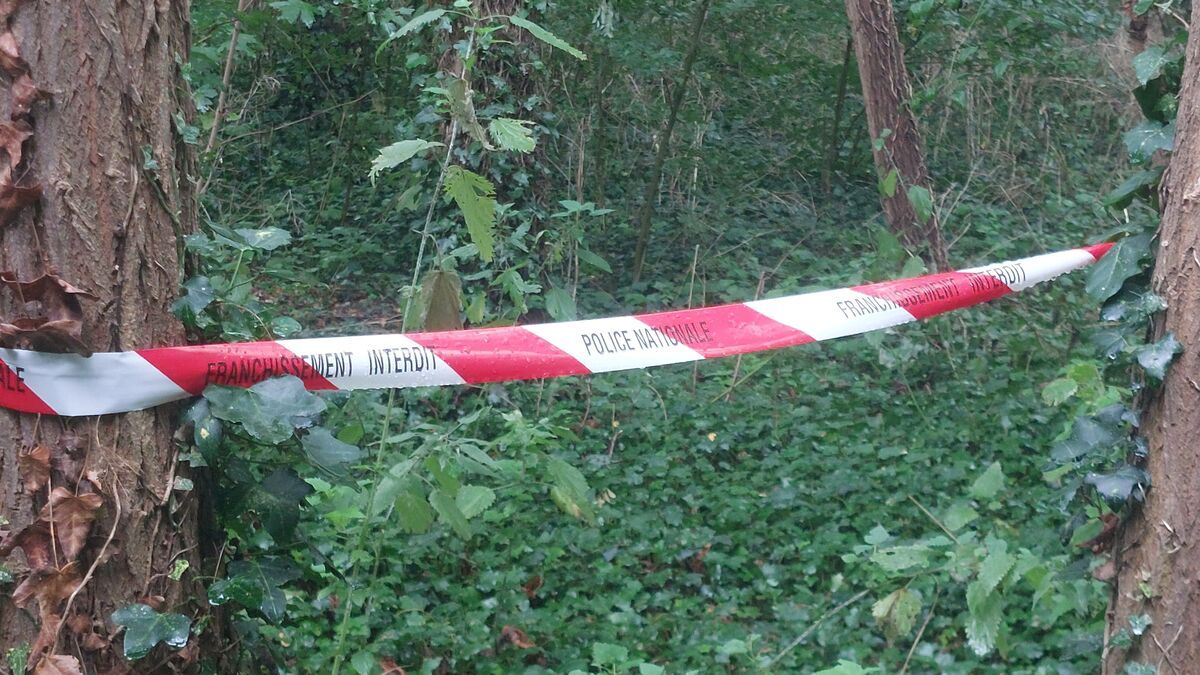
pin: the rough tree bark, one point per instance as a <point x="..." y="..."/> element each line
<point x="97" y="85"/>
<point x="886" y="94"/>
<point x="1157" y="554"/>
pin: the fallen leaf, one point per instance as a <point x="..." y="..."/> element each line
<point x="58" y="664"/>
<point x="72" y="516"/>
<point x="49" y="586"/>
<point x="47" y="636"/>
<point x="34" y="468"/>
<point x="390" y="667"/>
<point x="516" y="637"/>
<point x="531" y="587"/>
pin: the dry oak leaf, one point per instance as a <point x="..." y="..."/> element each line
<point x="72" y="516"/>
<point x="34" y="541"/>
<point x="516" y="637"/>
<point x="34" y="468"/>
<point x="58" y="664"/>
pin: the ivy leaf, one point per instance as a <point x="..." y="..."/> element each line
<point x="1117" y="487"/>
<point x="398" y="153"/>
<point x="1121" y="263"/>
<point x="270" y="410"/>
<point x="450" y="514"/>
<point x="256" y="581"/>
<point x="1147" y="138"/>
<point x="1109" y="341"/>
<point x="605" y="654"/>
<point x="200" y="294"/>
<point x="328" y="453"/>
<point x="959" y="516"/>
<point x="922" y="202"/>
<point x="476" y="198"/>
<point x="473" y="500"/>
<point x="1088" y="435"/>
<point x="989" y="483"/>
<point x="1132" y="305"/>
<point x="1139" y="184"/>
<point x="1149" y="64"/>
<point x="547" y="37"/>
<point x="1154" y="358"/>
<point x="266" y="238"/>
<point x="291" y="11"/>
<point x="145" y="628"/>
<point x="511" y="134"/>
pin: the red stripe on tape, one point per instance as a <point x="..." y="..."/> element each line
<point x="724" y="330"/>
<point x="240" y="365"/>
<point x="499" y="354"/>
<point x="16" y="396"/>
<point x="926" y="296"/>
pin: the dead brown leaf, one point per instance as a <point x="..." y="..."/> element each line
<point x="49" y="586"/>
<point x="34" y="541"/>
<point x="60" y="328"/>
<point x="390" y="667"/>
<point x="46" y="639"/>
<point x="72" y="516"/>
<point x="532" y="586"/>
<point x="34" y="468"/>
<point x="58" y="664"/>
<point x="516" y="637"/>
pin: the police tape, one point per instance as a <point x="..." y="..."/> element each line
<point x="115" y="382"/>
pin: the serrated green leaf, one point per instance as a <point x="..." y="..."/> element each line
<point x="570" y="490"/>
<point x="473" y="500"/>
<point x="145" y="628"/>
<point x="547" y="37"/>
<point x="985" y="611"/>
<point x="511" y="134"/>
<point x="413" y="513"/>
<point x="1156" y="357"/>
<point x="959" y="516"/>
<point x="397" y="153"/>
<point x="989" y="483"/>
<point x="475" y="196"/>
<point x="995" y="566"/>
<point x="450" y="514"/>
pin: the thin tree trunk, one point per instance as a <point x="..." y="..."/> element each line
<point x="646" y="211"/>
<point x="1157" y="554"/>
<point x="835" y="136"/>
<point x="1137" y="27"/>
<point x="886" y="93"/>
<point x="116" y="197"/>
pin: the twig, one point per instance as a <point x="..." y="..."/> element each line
<point x="116" y="493"/>
<point x="934" y="519"/>
<point x="226" y="76"/>
<point x="920" y="632"/>
<point x="808" y="631"/>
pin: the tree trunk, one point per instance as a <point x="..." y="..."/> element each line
<point x="645" y="212"/>
<point x="835" y="130"/>
<point x="115" y="195"/>
<point x="1158" y="550"/>
<point x="886" y="93"/>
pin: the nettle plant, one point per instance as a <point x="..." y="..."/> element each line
<point x="474" y="138"/>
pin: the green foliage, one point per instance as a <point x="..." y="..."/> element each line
<point x="476" y="198"/>
<point x="145" y="628"/>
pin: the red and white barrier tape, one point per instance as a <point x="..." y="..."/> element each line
<point x="114" y="382"/>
